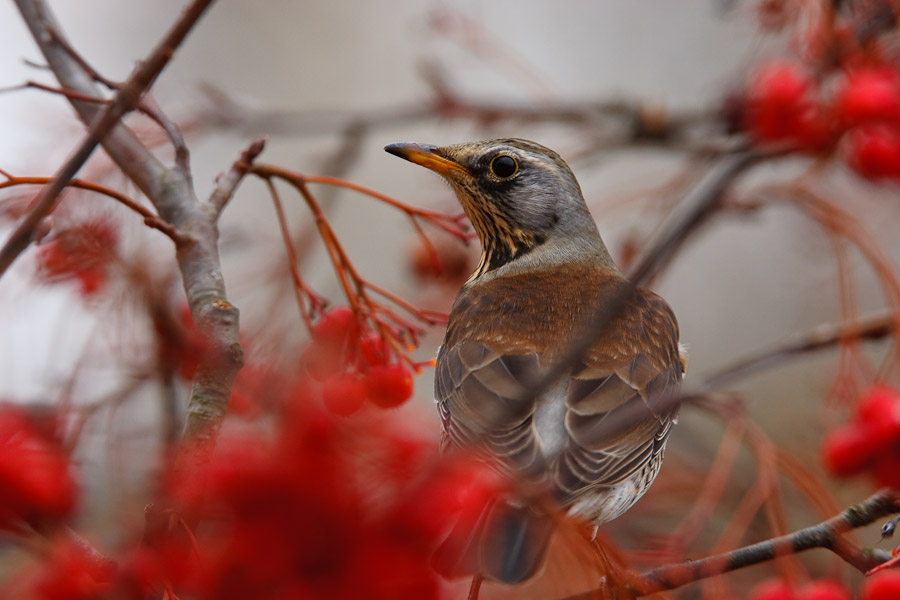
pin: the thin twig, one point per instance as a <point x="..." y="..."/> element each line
<point x="150" y="219"/>
<point x="300" y="288"/>
<point x="825" y="336"/>
<point x="227" y="183"/>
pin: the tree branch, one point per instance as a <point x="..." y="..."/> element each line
<point x="39" y="21"/>
<point x="171" y="192"/>
<point x="824" y="535"/>
<point x="227" y="183"/>
<point x="825" y="336"/>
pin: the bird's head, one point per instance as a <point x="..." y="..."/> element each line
<point x="519" y="196"/>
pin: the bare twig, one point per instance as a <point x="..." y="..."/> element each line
<point x="825" y="336"/>
<point x="150" y="219"/>
<point x="227" y="183"/>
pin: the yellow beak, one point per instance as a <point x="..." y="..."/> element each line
<point x="427" y="156"/>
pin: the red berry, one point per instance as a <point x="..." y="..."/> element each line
<point x="868" y="95"/>
<point x="335" y="327"/>
<point x="873" y="151"/>
<point x="321" y="362"/>
<point x="886" y="467"/>
<point x="374" y="349"/>
<point x="884" y="585"/>
<point x="344" y="394"/>
<point x="879" y="412"/>
<point x="448" y="261"/>
<point x="34" y="474"/>
<point x="823" y="590"/>
<point x="778" y="95"/>
<point x="772" y="589"/>
<point x="847" y="451"/>
<point x="389" y="385"/>
<point x="813" y="131"/>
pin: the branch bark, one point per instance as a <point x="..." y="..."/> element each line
<point x="824" y="535"/>
<point x="170" y="190"/>
<point x="101" y="121"/>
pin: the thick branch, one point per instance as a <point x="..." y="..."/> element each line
<point x="171" y="192"/>
<point x="824" y="535"/>
<point x="103" y="120"/>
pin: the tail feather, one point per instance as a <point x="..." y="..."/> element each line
<point x="506" y="543"/>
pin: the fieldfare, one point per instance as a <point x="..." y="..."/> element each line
<point x="594" y="436"/>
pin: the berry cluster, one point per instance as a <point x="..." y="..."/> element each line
<point x="321" y="507"/>
<point x="856" y="111"/>
<point x="870" y="442"/>
<point x="354" y="364"/>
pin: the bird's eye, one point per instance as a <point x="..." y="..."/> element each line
<point x="504" y="166"/>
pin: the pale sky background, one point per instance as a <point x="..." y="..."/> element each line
<point x="740" y="285"/>
<point x="737" y="287"/>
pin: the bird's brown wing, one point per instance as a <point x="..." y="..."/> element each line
<point x="618" y="404"/>
<point x="621" y="405"/>
<point x="484" y="401"/>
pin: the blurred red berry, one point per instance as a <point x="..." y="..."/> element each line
<point x="69" y="573"/>
<point x="778" y="102"/>
<point x="326" y="530"/>
<point x="35" y="483"/>
<point x="449" y="261"/>
<point x="868" y="95"/>
<point x="813" y="130"/>
<point x="344" y="394"/>
<point x="374" y="349"/>
<point x="252" y="384"/>
<point x="389" y="385"/>
<point x="878" y="412"/>
<point x="823" y="590"/>
<point x="873" y="151"/>
<point x="847" y="451"/>
<point x="336" y="327"/>
<point x="886" y="466"/>
<point x="180" y="346"/>
<point x="321" y="362"/>
<point x="884" y="585"/>
<point x="772" y="589"/>
<point x="81" y="253"/>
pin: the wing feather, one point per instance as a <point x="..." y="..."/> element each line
<point x="617" y="405"/>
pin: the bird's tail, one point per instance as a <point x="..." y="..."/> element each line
<point x="506" y="543"/>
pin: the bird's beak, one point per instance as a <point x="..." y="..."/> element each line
<point x="427" y="156"/>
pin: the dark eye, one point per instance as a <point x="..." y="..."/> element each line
<point x="504" y="166"/>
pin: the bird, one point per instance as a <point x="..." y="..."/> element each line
<point x="594" y="435"/>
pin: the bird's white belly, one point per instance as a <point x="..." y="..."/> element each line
<point x="549" y="421"/>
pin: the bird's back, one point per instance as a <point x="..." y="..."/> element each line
<point x="595" y="436"/>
